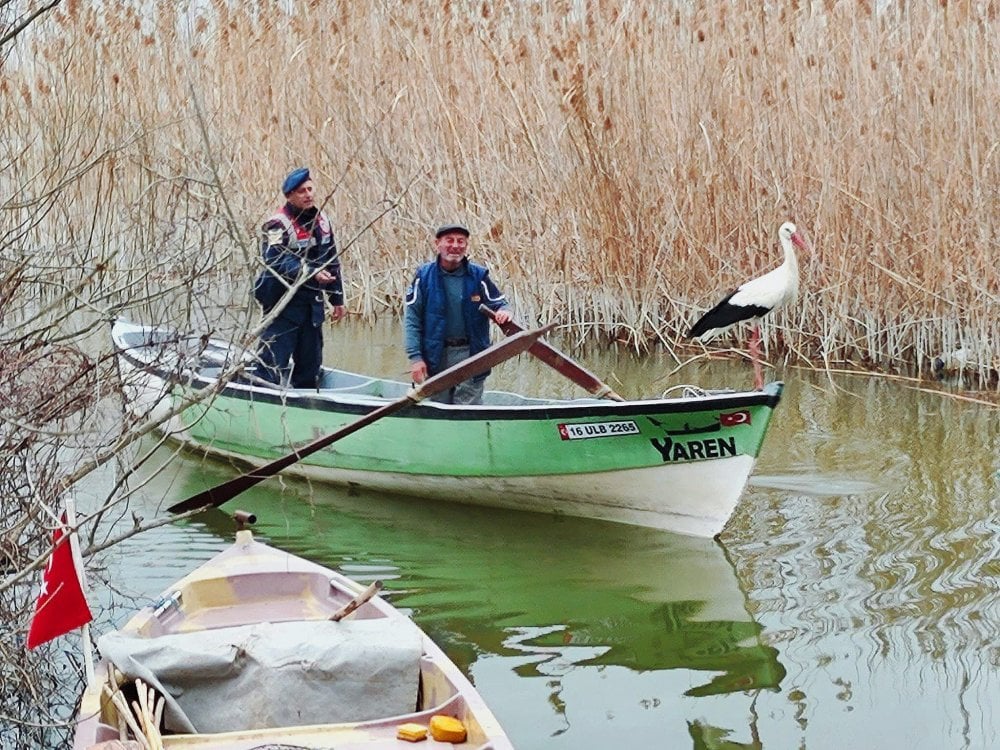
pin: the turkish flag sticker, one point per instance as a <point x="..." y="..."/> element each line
<point x="61" y="605"/>
<point x="734" y="418"/>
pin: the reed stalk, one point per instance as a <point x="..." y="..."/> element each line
<point x="621" y="165"/>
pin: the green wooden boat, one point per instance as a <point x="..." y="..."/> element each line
<point x="678" y="463"/>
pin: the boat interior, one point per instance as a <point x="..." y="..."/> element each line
<point x="334" y="382"/>
<point x="211" y="358"/>
<point x="225" y="649"/>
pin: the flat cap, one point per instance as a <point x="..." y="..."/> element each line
<point x="450" y="229"/>
<point x="294" y="180"/>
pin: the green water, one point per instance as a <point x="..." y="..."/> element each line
<point x="851" y="603"/>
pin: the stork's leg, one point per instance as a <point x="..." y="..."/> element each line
<point x="758" y="371"/>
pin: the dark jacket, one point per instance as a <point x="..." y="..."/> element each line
<point x="293" y="241"/>
<point x="426" y="305"/>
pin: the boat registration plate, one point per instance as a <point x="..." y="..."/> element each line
<point x="586" y="430"/>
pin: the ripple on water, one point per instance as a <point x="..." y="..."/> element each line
<point x="882" y="594"/>
<point x="817" y="486"/>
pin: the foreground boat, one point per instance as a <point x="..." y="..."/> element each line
<point x="259" y="648"/>
<point x="679" y="464"/>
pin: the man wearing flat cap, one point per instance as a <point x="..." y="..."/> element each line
<point x="299" y="251"/>
<point x="441" y="321"/>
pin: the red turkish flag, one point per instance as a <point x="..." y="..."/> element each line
<point x="734" y="418"/>
<point x="61" y="605"/>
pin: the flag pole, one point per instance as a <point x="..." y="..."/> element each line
<point x="74" y="545"/>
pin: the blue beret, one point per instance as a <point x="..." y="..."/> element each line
<point x="295" y="180"/>
<point x="449" y="228"/>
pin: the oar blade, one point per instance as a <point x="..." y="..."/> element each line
<point x="558" y="361"/>
<point x="468" y="368"/>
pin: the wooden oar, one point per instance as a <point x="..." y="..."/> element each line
<point x="504" y="350"/>
<point x="559" y="361"/>
<point x="357" y="601"/>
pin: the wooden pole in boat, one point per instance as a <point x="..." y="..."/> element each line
<point x="357" y="601"/>
<point x="74" y="546"/>
<point x="559" y="361"/>
<point x="474" y="365"/>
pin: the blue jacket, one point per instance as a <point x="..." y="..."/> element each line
<point x="426" y="310"/>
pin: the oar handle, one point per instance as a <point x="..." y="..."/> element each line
<point x="366" y="595"/>
<point x="558" y="361"/>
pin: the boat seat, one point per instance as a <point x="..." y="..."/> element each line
<point x="330" y="379"/>
<point x="269" y="675"/>
<point x="340" y="381"/>
<point x="374" y="387"/>
<point x="368" y="388"/>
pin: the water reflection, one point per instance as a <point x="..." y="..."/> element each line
<point x="520" y="598"/>
<point x="881" y="597"/>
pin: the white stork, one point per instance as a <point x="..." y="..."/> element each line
<point x="756" y="298"/>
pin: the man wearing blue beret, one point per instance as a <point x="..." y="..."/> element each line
<point x="298" y="250"/>
<point x="441" y="320"/>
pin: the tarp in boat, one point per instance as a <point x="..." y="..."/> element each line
<point x="275" y="674"/>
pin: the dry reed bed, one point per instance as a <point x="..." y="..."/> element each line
<point x="620" y="169"/>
